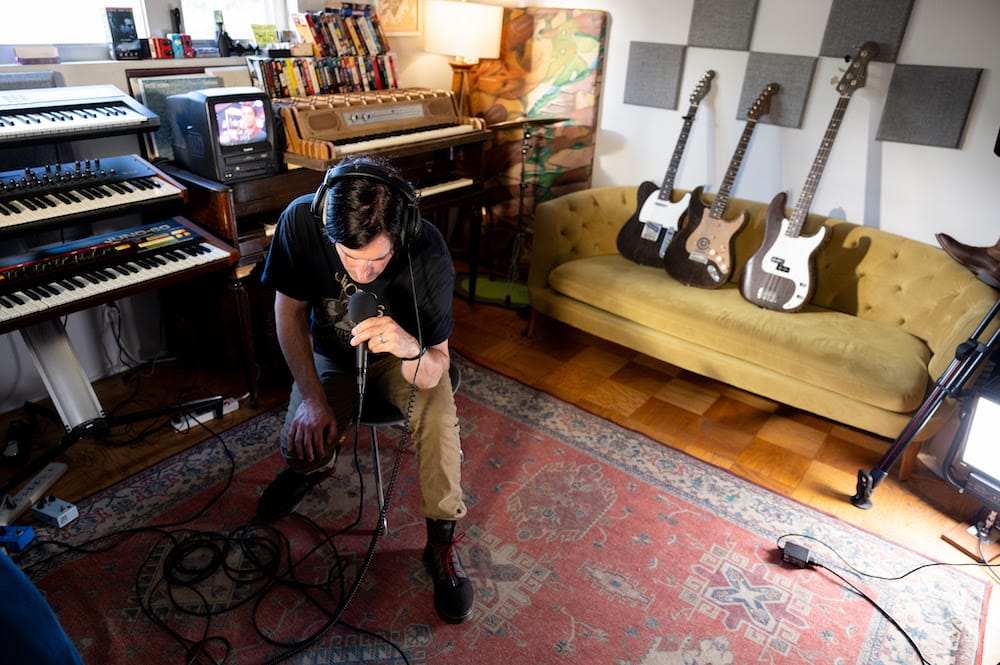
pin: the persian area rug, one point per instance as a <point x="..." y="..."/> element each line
<point x="587" y="543"/>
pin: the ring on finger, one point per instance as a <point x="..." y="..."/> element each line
<point x="380" y="340"/>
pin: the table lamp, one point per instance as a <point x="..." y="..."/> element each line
<point x="467" y="31"/>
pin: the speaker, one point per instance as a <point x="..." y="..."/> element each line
<point x="411" y="217"/>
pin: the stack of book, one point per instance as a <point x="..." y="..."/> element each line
<point x="350" y="54"/>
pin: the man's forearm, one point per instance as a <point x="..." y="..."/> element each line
<point x="296" y="347"/>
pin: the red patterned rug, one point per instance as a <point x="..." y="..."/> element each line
<point x="586" y="543"/>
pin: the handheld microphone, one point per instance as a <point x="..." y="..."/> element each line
<point x="361" y="306"/>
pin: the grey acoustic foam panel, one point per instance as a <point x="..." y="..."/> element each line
<point x="654" y="74"/>
<point x="851" y="23"/>
<point x="725" y="24"/>
<point x="928" y="105"/>
<point x="794" y="73"/>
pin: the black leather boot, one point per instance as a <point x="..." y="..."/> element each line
<point x="453" y="594"/>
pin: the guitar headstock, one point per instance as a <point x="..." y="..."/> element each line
<point x="762" y="105"/>
<point x="854" y="77"/>
<point x="704" y="85"/>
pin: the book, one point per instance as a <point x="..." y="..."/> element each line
<point x="303" y="28"/>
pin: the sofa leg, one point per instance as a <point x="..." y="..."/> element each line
<point x="530" y="330"/>
<point x="908" y="460"/>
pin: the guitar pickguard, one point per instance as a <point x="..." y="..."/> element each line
<point x="701" y="252"/>
<point x="710" y="241"/>
<point x="658" y="215"/>
<point x="788" y="263"/>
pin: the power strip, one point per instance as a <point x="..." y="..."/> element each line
<point x="12" y="506"/>
<point x="184" y="422"/>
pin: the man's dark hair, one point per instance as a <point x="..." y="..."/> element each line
<point x="359" y="208"/>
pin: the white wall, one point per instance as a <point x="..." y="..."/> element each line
<point x="911" y="190"/>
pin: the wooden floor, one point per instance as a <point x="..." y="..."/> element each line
<point x="796" y="454"/>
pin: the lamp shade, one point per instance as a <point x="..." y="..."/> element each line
<point x="466" y="30"/>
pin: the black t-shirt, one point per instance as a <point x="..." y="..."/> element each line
<point x="303" y="264"/>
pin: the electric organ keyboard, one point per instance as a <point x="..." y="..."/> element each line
<point x="79" y="112"/>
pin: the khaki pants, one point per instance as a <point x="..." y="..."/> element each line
<point x="433" y="422"/>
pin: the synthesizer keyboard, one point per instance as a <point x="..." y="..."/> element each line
<point x="69" y="276"/>
<point x="62" y="192"/>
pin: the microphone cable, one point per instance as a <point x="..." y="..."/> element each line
<point x="335" y="616"/>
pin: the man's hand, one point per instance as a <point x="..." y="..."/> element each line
<point x="385" y="336"/>
<point x="312" y="430"/>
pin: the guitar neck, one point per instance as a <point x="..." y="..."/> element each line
<point x="804" y="202"/>
<point x="721" y="201"/>
<point x="667" y="188"/>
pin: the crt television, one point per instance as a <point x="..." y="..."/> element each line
<point x="226" y="134"/>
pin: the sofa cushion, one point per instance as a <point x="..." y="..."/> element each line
<point x="865" y="360"/>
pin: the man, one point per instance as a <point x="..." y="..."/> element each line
<point x="362" y="231"/>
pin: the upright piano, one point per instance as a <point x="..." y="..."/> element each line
<point x="76" y="234"/>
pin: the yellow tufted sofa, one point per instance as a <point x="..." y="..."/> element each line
<point x="884" y="322"/>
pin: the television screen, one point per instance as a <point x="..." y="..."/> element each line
<point x="241" y="122"/>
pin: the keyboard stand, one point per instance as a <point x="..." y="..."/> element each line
<point x="75" y="401"/>
<point x="64" y="378"/>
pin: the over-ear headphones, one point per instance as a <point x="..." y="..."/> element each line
<point x="411" y="223"/>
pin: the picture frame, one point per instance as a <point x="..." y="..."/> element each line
<point x="151" y="87"/>
<point x="399" y="17"/>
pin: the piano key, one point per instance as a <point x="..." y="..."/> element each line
<point x="30" y="208"/>
<point x="406" y="138"/>
<point x="102" y="281"/>
<point x="41" y="125"/>
<point x="447" y="186"/>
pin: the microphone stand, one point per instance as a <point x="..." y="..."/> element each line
<point x="519" y="236"/>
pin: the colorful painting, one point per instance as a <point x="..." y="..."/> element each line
<point x="549" y="71"/>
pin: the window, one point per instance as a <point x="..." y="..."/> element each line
<point x="237" y="16"/>
<point x="64" y="21"/>
<point x="85" y="21"/>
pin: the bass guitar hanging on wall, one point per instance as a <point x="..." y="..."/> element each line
<point x="780" y="275"/>
<point x="701" y="254"/>
<point x="646" y="234"/>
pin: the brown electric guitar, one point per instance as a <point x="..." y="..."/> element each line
<point x="701" y="253"/>
<point x="646" y="234"/>
<point x="781" y="274"/>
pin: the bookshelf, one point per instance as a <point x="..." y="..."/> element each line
<point x="350" y="53"/>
